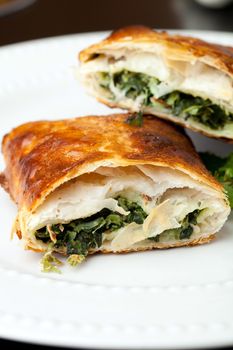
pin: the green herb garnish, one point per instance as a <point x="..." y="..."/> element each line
<point x="50" y="263"/>
<point x="222" y="170"/>
<point x="135" y="119"/>
<point x="75" y="259"/>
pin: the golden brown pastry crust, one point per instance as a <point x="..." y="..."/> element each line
<point x="40" y="156"/>
<point x="218" y="56"/>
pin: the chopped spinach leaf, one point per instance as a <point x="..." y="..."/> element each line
<point x="186" y="232"/>
<point x="114" y="221"/>
<point x="199" y="109"/>
<point x="135" y="84"/>
<point x="43" y="235"/>
<point x="105" y="80"/>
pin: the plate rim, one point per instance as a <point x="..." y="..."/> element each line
<point x="46" y="40"/>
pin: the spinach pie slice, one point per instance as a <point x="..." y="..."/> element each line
<point x="183" y="79"/>
<point x="98" y="184"/>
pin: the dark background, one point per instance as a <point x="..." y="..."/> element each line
<point x="58" y="17"/>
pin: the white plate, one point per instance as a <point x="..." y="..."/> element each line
<point x="161" y="299"/>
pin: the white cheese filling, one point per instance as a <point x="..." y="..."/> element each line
<point x="194" y="77"/>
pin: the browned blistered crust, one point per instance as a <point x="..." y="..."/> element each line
<point x="218" y="56"/>
<point x="40" y="156"/>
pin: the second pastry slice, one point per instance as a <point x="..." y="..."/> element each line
<point x="183" y="79"/>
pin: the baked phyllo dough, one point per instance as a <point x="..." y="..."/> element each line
<point x="97" y="184"/>
<point x="183" y="79"/>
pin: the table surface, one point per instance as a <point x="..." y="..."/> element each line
<point x="45" y="18"/>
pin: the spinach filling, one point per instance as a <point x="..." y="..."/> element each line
<point x="177" y="103"/>
<point x="82" y="235"/>
<point x="183" y="232"/>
